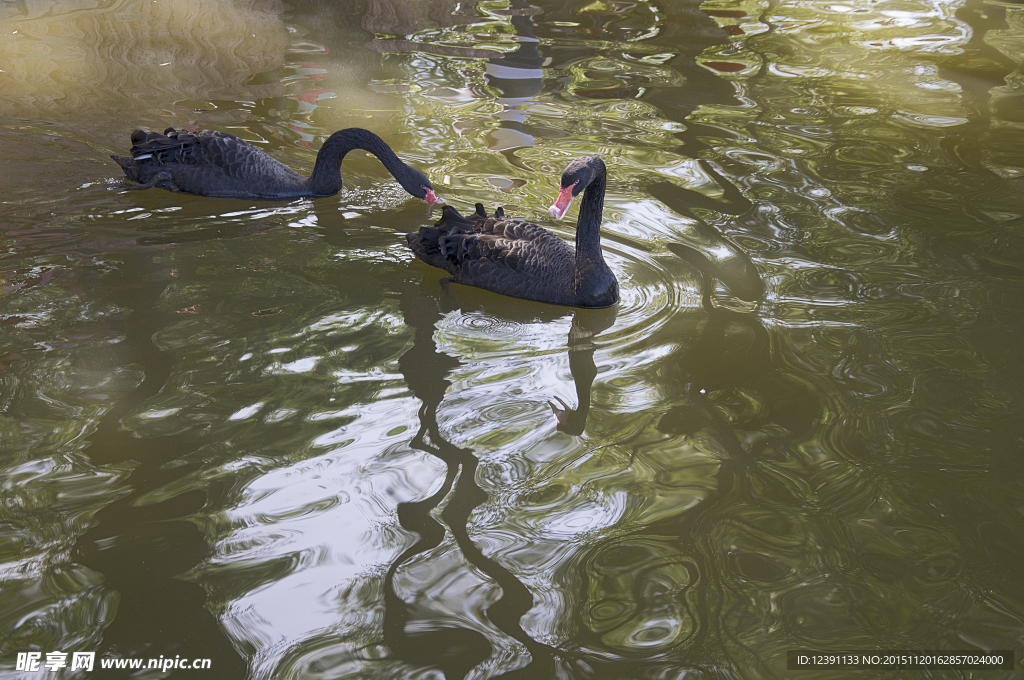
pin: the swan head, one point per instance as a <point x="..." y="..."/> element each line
<point x="419" y="186"/>
<point x="577" y="176"/>
<point x="428" y="194"/>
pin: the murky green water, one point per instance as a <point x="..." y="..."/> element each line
<point x="261" y="433"/>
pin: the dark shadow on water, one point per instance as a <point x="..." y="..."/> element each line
<point x="717" y="257"/>
<point x="689" y="30"/>
<point x="731" y="351"/>
<point x="730" y="354"/>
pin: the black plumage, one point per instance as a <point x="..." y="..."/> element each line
<point x="517" y="258"/>
<point x="214" y="163"/>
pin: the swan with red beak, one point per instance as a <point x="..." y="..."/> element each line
<point x="215" y="163"/>
<point x="564" y="200"/>
<point x="517" y="258"/>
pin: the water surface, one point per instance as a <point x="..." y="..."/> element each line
<point x="262" y="433"/>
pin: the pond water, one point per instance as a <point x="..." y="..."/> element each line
<point x="263" y="434"/>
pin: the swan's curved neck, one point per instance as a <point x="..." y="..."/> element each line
<point x="326" y="177"/>
<point x="588" y="224"/>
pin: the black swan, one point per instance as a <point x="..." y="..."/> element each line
<point x="514" y="257"/>
<point x="214" y="163"/>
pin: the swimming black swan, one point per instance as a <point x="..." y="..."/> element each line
<point x="213" y="163"/>
<point x="514" y="257"/>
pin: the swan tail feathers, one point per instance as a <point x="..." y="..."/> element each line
<point x="450" y="217"/>
<point x="170" y="147"/>
<point x="443" y="245"/>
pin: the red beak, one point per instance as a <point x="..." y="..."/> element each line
<point x="430" y="197"/>
<point x="561" y="204"/>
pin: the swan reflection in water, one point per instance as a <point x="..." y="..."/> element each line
<point x="409" y="631"/>
<point x="586" y="325"/>
<point x="724" y="352"/>
<point x="714" y="360"/>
